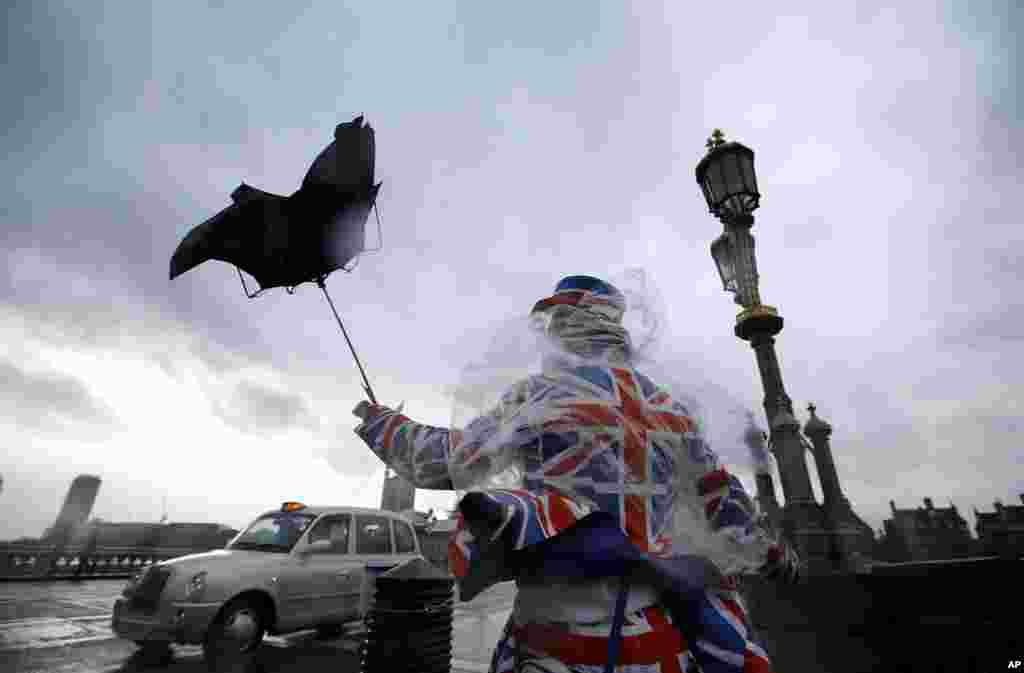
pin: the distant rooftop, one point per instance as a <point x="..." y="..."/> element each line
<point x="1002" y="514"/>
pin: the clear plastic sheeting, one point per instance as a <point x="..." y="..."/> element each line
<point x="757" y="443"/>
<point x="554" y="401"/>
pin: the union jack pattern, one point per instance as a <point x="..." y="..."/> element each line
<point x="585" y="437"/>
<point x="607" y="439"/>
<point x="650" y="644"/>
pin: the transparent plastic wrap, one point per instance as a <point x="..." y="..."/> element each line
<point x="546" y="404"/>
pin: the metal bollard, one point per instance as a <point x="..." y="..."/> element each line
<point x="409" y="626"/>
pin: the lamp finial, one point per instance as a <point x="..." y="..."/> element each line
<point x="717" y="138"/>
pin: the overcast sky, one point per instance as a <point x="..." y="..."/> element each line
<point x="518" y="143"/>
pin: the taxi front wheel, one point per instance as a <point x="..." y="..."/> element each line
<point x="234" y="635"/>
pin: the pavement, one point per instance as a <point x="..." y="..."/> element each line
<point x="62" y="627"/>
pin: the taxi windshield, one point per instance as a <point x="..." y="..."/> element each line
<point x="277" y="532"/>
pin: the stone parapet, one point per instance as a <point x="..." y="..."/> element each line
<point x="950" y="615"/>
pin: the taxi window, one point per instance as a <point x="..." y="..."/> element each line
<point x="405" y="543"/>
<point x="373" y="534"/>
<point x="335" y="528"/>
<point x="275" y="532"/>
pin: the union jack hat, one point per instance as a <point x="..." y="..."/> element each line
<point x="586" y="292"/>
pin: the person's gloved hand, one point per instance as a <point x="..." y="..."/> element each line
<point x="363" y="410"/>
<point x="783" y="565"/>
<point x="366" y="410"/>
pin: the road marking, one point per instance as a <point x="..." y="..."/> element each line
<point x="51" y="632"/>
<point x="58" y="633"/>
<point x="34" y="621"/>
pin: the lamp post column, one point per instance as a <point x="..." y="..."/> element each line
<point x="778" y="407"/>
<point x="728" y="181"/>
<point x="759" y="324"/>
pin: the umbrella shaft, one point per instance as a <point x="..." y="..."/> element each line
<point x="366" y="382"/>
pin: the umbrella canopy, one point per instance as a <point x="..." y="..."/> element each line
<point x="285" y="241"/>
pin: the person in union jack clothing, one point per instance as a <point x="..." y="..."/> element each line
<point x="594" y="489"/>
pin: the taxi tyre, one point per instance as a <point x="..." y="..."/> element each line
<point x="219" y="644"/>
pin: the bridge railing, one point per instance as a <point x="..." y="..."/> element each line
<point x="41" y="561"/>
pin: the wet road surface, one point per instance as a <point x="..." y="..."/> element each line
<point x="64" y="627"/>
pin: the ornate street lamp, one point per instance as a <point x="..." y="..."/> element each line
<point x="727" y="179"/>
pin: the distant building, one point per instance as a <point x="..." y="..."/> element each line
<point x="77" y="506"/>
<point x="110" y="534"/>
<point x="1001" y="533"/>
<point x="926" y="533"/>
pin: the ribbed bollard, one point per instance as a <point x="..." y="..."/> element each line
<point x="409" y="626"/>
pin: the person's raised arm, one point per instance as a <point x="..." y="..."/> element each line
<point x="415" y="451"/>
<point x="425" y="455"/>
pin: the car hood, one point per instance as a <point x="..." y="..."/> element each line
<point x="227" y="572"/>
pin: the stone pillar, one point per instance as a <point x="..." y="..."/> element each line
<point x="819" y="433"/>
<point x="398" y="495"/>
<point x="755" y="440"/>
<point x="852" y="540"/>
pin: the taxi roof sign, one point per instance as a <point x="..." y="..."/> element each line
<point x="292" y="506"/>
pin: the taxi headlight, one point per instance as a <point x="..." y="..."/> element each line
<point x="196" y="585"/>
<point x="133" y="582"/>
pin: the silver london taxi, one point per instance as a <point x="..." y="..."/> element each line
<point x="292" y="569"/>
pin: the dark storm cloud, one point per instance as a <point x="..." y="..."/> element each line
<point x="254" y="408"/>
<point x="93" y="211"/>
<point x="998" y="328"/>
<point x="514" y="152"/>
<point x="103" y="232"/>
<point x="49" y="400"/>
<point x="142" y="182"/>
<point x="96" y="265"/>
<point x="43" y="86"/>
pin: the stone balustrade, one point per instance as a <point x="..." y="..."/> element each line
<point x="960" y="615"/>
<point x="40" y="561"/>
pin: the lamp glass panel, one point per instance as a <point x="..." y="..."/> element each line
<point x="732" y="175"/>
<point x="749" y="177"/>
<point x="708" y="196"/>
<point x="725" y="259"/>
<point x="716" y="181"/>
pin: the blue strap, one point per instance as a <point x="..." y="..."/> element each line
<point x="620" y="617"/>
